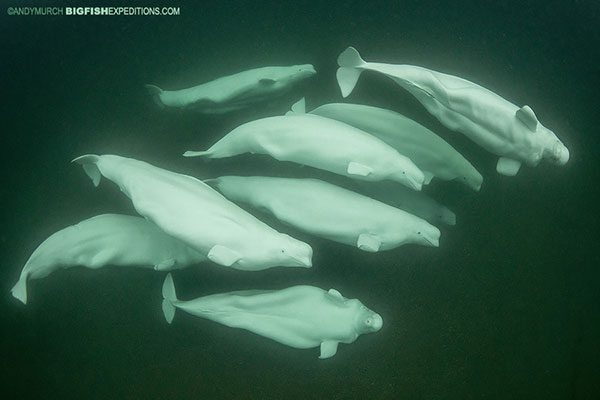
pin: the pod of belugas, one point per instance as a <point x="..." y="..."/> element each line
<point x="234" y="92"/>
<point x="331" y="212"/>
<point x="302" y="317"/>
<point x="432" y="154"/>
<point x="321" y="143"/>
<point x="188" y="209"/>
<point x="413" y="202"/>
<point x="511" y="132"/>
<point x="103" y="240"/>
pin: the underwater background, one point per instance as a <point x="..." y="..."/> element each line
<point x="506" y="308"/>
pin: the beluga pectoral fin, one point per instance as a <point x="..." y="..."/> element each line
<point x="223" y="255"/>
<point x="328" y="349"/>
<point x="191" y="153"/>
<point x="359" y="169"/>
<point x="508" y="166"/>
<point x="368" y="242"/>
<point x="165" y="265"/>
<point x="526" y="115"/>
<point x="298" y="107"/>
<point x="334" y="293"/>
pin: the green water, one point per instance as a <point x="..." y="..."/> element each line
<point x="506" y="308"/>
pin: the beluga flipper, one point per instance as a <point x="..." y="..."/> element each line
<point x="301" y="317"/>
<point x="513" y="133"/>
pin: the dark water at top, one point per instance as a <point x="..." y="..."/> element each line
<point x="506" y="308"/>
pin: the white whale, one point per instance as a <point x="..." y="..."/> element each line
<point x="331" y="212"/>
<point x="413" y="202"/>
<point x="494" y="123"/>
<point x="432" y="154"/>
<point x="302" y="317"/>
<point x="321" y="143"/>
<point x="236" y="91"/>
<point x="193" y="212"/>
<point x="108" y="239"/>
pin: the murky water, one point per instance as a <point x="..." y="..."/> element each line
<point x="506" y="307"/>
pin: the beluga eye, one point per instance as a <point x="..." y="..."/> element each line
<point x="369" y="321"/>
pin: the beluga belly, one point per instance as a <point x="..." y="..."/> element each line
<point x="321" y="143"/>
<point x="235" y="92"/>
<point x="193" y="212"/>
<point x="330" y="212"/>
<point x="106" y="240"/>
<point x="511" y="132"/>
<point x="302" y="317"/>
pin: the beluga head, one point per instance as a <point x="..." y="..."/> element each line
<point x="552" y="148"/>
<point x="407" y="173"/>
<point x="282" y="251"/>
<point x="472" y="178"/>
<point x="425" y="234"/>
<point x="366" y="321"/>
<point x="555" y="151"/>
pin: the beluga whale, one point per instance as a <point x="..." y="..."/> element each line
<point x="188" y="209"/>
<point x="301" y="317"/>
<point x="501" y="127"/>
<point x="106" y="240"/>
<point x="235" y="92"/>
<point x="321" y="143"/>
<point x="411" y="201"/>
<point x="429" y="152"/>
<point x="331" y="212"/>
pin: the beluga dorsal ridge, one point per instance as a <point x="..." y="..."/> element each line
<point x="235" y="92"/>
<point x="511" y="132"/>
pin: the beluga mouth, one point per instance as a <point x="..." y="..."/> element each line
<point x="432" y="239"/>
<point x="561" y="153"/>
<point x="303" y="261"/>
